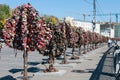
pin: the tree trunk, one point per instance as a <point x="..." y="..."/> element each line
<point x="73" y="54"/>
<point x="65" y="58"/>
<point x="79" y="50"/>
<point x="51" y="59"/>
<point x="64" y="61"/>
<point x="25" y="57"/>
<point x="88" y="48"/>
<point x="51" y="62"/>
<point x="84" y="52"/>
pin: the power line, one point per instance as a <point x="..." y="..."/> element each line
<point x="109" y="14"/>
<point x="99" y="10"/>
<point x="88" y="2"/>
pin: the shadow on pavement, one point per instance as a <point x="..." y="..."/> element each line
<point x="31" y="69"/>
<point x="83" y="71"/>
<point x="89" y="59"/>
<point x="108" y="74"/>
<point x="34" y="69"/>
<point x="45" y="60"/>
<point x="33" y="63"/>
<point x="8" y="77"/>
<point x="15" y="70"/>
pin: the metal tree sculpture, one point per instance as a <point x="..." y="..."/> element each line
<point x="89" y="40"/>
<point x="93" y="40"/>
<point x="73" y="41"/>
<point x="80" y="38"/>
<point x="57" y="43"/>
<point x="72" y="38"/>
<point x="25" y="30"/>
<point x="85" y="40"/>
<point x="64" y="39"/>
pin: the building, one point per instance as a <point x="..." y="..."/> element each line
<point x="107" y="29"/>
<point x="85" y="25"/>
<point x="104" y="28"/>
<point x="117" y="30"/>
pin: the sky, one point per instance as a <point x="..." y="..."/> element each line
<point x="72" y="8"/>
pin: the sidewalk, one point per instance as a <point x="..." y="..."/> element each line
<point x="105" y="69"/>
<point x="82" y="70"/>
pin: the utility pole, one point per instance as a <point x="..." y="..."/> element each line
<point x="110" y="26"/>
<point x="116" y="18"/>
<point x="94" y="14"/>
<point x="84" y="16"/>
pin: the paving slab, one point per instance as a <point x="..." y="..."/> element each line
<point x="59" y="73"/>
<point x="81" y="71"/>
<point x="71" y="65"/>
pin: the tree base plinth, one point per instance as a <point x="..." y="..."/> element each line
<point x="74" y="57"/>
<point x="64" y="62"/>
<point x="51" y="69"/>
<point x="96" y="47"/>
<point x="84" y="52"/>
<point x="91" y="49"/>
<point x="88" y="50"/>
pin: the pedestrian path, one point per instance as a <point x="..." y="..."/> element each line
<point x="106" y="67"/>
<point x="81" y="71"/>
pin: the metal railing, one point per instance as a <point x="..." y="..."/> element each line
<point x="117" y="64"/>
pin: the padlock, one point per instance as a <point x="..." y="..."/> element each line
<point x="31" y="24"/>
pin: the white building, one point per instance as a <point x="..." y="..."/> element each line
<point x="84" y="25"/>
<point x="101" y="28"/>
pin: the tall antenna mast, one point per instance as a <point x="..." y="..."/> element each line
<point x="94" y="14"/>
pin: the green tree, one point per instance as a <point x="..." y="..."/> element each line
<point x="51" y="19"/>
<point x="5" y="12"/>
